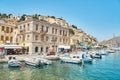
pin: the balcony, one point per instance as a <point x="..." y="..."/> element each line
<point x="22" y="31"/>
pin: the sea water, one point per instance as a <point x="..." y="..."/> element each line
<point x="107" y="68"/>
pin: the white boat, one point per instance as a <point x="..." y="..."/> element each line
<point x="71" y="59"/>
<point x="14" y="63"/>
<point x="52" y="57"/>
<point x="103" y="52"/>
<point x="33" y="61"/>
<point x="111" y="51"/>
<point x="96" y="55"/>
<point x="86" y="58"/>
<point x="44" y="61"/>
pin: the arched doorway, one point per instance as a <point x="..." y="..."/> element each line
<point x="36" y="49"/>
<point x="41" y="49"/>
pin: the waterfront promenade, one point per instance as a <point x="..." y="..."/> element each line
<point x="19" y="57"/>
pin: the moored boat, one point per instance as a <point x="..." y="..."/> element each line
<point x="44" y="61"/>
<point x="71" y="59"/>
<point x="33" y="62"/>
<point x="52" y="57"/>
<point x="13" y="62"/>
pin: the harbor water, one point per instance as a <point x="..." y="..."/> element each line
<point x="107" y="68"/>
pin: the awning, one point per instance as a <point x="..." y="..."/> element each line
<point x="63" y="46"/>
<point x="1" y="45"/>
<point x="12" y="47"/>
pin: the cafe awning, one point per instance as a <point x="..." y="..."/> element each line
<point x="63" y="46"/>
<point x="12" y="47"/>
<point x="1" y="45"/>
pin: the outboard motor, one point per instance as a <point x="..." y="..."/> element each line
<point x="10" y="57"/>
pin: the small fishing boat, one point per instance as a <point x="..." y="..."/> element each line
<point x="13" y="62"/>
<point x="110" y="51"/>
<point x="52" y="57"/>
<point x="103" y="52"/>
<point x="44" y="61"/>
<point x="86" y="58"/>
<point x="71" y="59"/>
<point x="33" y="62"/>
<point x="96" y="55"/>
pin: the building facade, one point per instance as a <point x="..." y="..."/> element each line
<point x="6" y="32"/>
<point x="39" y="36"/>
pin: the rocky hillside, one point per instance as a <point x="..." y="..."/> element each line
<point x="115" y="42"/>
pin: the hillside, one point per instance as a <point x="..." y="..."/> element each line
<point x="114" y="42"/>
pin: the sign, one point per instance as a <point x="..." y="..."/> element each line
<point x="1" y="49"/>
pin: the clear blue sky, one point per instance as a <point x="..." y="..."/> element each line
<point x="100" y="18"/>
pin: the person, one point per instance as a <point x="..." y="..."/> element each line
<point x="14" y="58"/>
<point x="83" y="56"/>
<point x="10" y="57"/>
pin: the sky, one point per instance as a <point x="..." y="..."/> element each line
<point x="100" y="18"/>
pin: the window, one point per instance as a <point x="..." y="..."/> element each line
<point x="20" y="38"/>
<point x="66" y="33"/>
<point x="7" y="29"/>
<point x="46" y="49"/>
<point x="36" y="49"/>
<point x="60" y="32"/>
<point x="3" y="28"/>
<point x="27" y="37"/>
<point x="42" y="38"/>
<point x="56" y="39"/>
<point x="11" y="29"/>
<point x="41" y="49"/>
<point x="60" y="40"/>
<point x="24" y="27"/>
<point x="46" y="38"/>
<point x="20" y="27"/>
<point x="2" y="37"/>
<point x="36" y="27"/>
<point x="53" y="30"/>
<point x="23" y="38"/>
<point x="47" y="29"/>
<point x="7" y="38"/>
<point x="11" y="38"/>
<point x="36" y="37"/>
<point x="42" y="28"/>
<point x="28" y="26"/>
<point x="63" y="33"/>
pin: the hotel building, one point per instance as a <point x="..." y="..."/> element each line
<point x="41" y="36"/>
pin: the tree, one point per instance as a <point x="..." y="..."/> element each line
<point x="35" y="16"/>
<point x="104" y="47"/>
<point x="53" y="17"/>
<point x="72" y="46"/>
<point x="71" y="32"/>
<point x="60" y="18"/>
<point x="9" y="15"/>
<point x="3" y="15"/>
<point x="23" y="17"/>
<point x="74" y="26"/>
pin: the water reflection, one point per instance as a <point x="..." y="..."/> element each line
<point x="106" y="68"/>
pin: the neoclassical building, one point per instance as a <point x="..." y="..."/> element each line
<point x="41" y="36"/>
<point x="6" y="32"/>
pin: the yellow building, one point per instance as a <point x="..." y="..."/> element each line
<point x="6" y="32"/>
